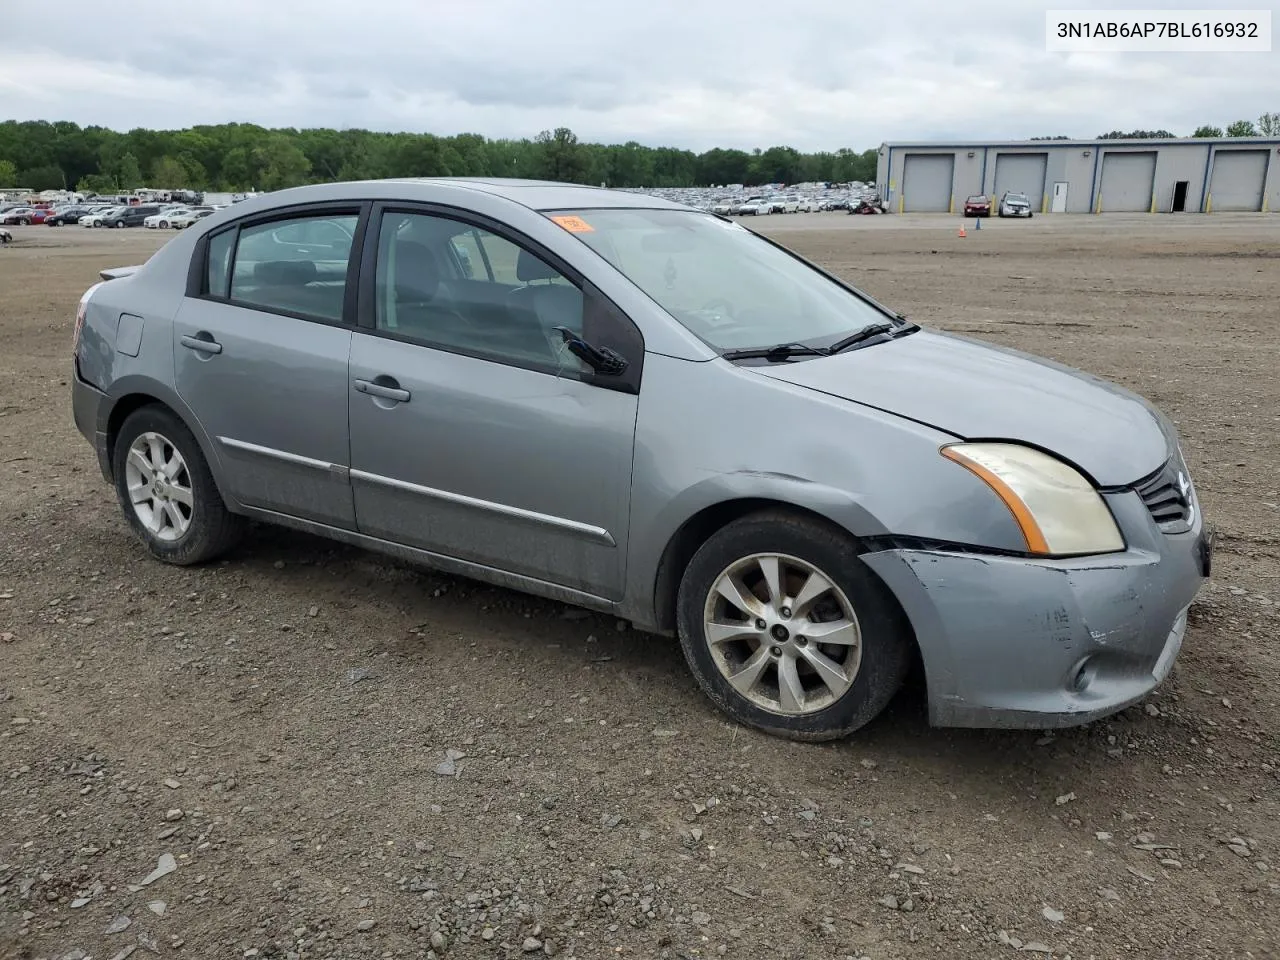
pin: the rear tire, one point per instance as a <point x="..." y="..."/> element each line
<point x="868" y="639"/>
<point x="166" y="491"/>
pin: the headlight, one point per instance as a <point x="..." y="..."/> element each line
<point x="1057" y="509"/>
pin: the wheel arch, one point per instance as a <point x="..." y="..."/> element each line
<point x="128" y="397"/>
<point x="705" y="523"/>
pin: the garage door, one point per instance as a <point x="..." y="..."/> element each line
<point x="926" y="182"/>
<point x="1022" y="173"/>
<point x="1238" y="179"/>
<point x="1127" y="182"/>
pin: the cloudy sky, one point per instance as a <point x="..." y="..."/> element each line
<point x="693" y="73"/>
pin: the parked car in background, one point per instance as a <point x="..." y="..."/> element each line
<point x="977" y="206"/>
<point x="66" y="216"/>
<point x="24" y="216"/>
<point x="1015" y="205"/>
<point x="723" y="207"/>
<point x="164" y="219"/>
<point x="807" y="205"/>
<point x="183" y="220"/>
<point x="568" y="421"/>
<point x="129" y="216"/>
<point x="95" y="219"/>
<point x="754" y="207"/>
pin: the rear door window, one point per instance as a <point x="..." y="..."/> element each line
<point x="296" y="266"/>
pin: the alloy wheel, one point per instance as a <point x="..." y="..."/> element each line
<point x="783" y="634"/>
<point x="159" y="485"/>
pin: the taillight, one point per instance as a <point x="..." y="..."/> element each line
<point x="81" y="309"/>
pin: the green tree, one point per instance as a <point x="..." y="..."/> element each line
<point x="628" y="165"/>
<point x="125" y="171"/>
<point x="1138" y="135"/>
<point x="46" y="177"/>
<point x="561" y="155"/>
<point x="238" y="156"/>
<point x="169" y="173"/>
<point x="418" y="155"/>
<point x="1269" y="125"/>
<point x="282" y="163"/>
<point x="1242" y="128"/>
<point x="238" y="170"/>
<point x="1208" y="131"/>
<point x="9" y="174"/>
<point x="718" y="166"/>
<point x="96" y="183"/>
<point x="777" y="165"/>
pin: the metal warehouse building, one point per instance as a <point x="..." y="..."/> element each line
<point x="1086" y="176"/>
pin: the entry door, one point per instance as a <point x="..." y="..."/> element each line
<point x="472" y="434"/>
<point x="1059" y="197"/>
<point x="261" y="358"/>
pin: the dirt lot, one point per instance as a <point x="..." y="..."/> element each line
<point x="276" y="723"/>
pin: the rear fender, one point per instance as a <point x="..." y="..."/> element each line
<point x="129" y="391"/>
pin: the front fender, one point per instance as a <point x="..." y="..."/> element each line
<point x="711" y="433"/>
<point x="724" y="489"/>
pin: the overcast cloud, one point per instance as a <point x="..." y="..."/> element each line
<point x="695" y="73"/>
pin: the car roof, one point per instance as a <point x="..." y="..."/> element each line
<point x="535" y="194"/>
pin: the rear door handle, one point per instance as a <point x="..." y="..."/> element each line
<point x="391" y="391"/>
<point x="202" y="342"/>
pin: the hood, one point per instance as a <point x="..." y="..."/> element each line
<point x="977" y="391"/>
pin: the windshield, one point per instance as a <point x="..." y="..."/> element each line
<point x="728" y="286"/>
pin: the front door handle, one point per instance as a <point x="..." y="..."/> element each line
<point x="388" y="390"/>
<point x="202" y="342"/>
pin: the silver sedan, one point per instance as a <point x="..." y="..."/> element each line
<point x="647" y="410"/>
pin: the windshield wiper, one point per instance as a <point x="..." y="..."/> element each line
<point x="778" y="352"/>
<point x="866" y="333"/>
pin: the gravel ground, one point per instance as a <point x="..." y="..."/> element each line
<point x="309" y="751"/>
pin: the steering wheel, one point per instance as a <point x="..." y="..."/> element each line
<point x="720" y="305"/>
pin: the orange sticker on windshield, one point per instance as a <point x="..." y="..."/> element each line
<point x="574" y="224"/>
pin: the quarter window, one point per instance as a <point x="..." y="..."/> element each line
<point x="445" y="283"/>
<point x="219" y="268"/>
<point x="296" y="266"/>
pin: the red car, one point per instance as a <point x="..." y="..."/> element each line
<point x="977" y="207"/>
<point x="24" y="215"/>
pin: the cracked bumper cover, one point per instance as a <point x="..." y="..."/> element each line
<point x="1009" y="642"/>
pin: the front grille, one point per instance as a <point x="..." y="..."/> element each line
<point x="1169" y="497"/>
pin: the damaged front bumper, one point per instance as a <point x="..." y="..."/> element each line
<point x="1010" y="642"/>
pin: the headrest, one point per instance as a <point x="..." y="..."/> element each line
<point x="285" y="271"/>
<point x="417" y="276"/>
<point x="529" y="267"/>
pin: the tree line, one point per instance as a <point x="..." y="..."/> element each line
<point x="44" y="155"/>
<point x="1267" y="125"/>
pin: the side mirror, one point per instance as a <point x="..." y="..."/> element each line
<point x="602" y="360"/>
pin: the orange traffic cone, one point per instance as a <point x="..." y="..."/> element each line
<point x="961" y="233"/>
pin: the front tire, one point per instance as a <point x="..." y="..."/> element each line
<point x="166" y="491"/>
<point x="820" y="657"/>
